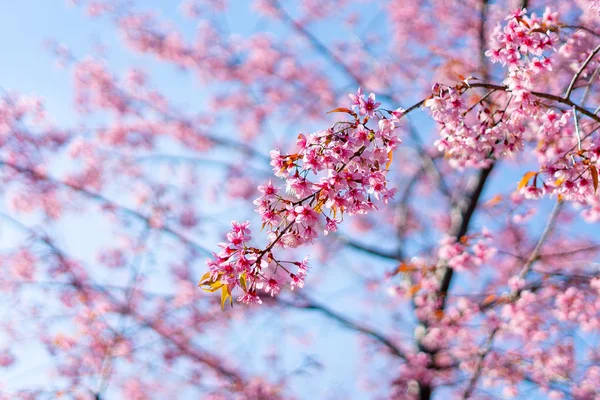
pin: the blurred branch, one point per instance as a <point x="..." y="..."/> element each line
<point x="309" y="304"/>
<point x="429" y="164"/>
<point x="316" y="43"/>
<point x="461" y="224"/>
<point x="369" y="249"/>
<point x="98" y="197"/>
<point x="322" y="48"/>
<point x="582" y="28"/>
<point x="124" y="309"/>
<point x="176" y="158"/>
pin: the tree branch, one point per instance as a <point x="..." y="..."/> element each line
<point x="309" y="304"/>
<point x="580" y="71"/>
<point x="388" y="255"/>
<point x="98" y="197"/>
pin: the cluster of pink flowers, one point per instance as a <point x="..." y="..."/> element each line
<point x="568" y="170"/>
<point x="474" y="139"/>
<point x="468" y="142"/>
<point x="468" y="253"/>
<point x="504" y="121"/>
<point x="521" y="45"/>
<point x="576" y="49"/>
<point x="349" y="163"/>
<point x="568" y="161"/>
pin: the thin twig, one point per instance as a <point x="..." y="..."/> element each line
<point x="580" y="71"/>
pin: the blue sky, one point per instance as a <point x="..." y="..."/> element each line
<point x="29" y="68"/>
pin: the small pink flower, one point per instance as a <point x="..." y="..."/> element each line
<point x="249" y="298"/>
<point x="297" y="281"/>
<point x="272" y="287"/>
<point x="369" y="106"/>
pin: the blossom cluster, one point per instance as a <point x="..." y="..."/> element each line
<point x="474" y="139"/>
<point x="468" y="253"/>
<point x="335" y="172"/>
<point x="504" y="121"/>
<point x="521" y="45"/>
<point x="467" y="142"/>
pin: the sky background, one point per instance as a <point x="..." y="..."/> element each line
<point x="30" y="68"/>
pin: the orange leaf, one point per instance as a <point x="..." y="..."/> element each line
<point x="526" y="179"/>
<point x="414" y="289"/>
<point x="404" y="268"/>
<point x="594" y="173"/>
<point x="391" y="157"/>
<point x="493" y="201"/>
<point x="489" y="299"/>
<point x="341" y="109"/>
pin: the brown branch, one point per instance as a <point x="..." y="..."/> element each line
<point x="583" y="28"/>
<point x="462" y="225"/>
<point x="541" y="95"/>
<point x="482" y="40"/>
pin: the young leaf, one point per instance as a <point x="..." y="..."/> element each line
<point x="526" y="179"/>
<point x="391" y="157"/>
<point x="404" y="268"/>
<point x="493" y="201"/>
<point x="439" y="314"/>
<point x="594" y="173"/>
<point x="224" y="296"/>
<point x="243" y="282"/>
<point x="213" y="286"/>
<point x="414" y="289"/>
<point x="488" y="300"/>
<point x="341" y="109"/>
<point x="204" y="279"/>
